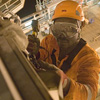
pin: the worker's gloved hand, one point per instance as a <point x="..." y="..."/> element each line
<point x="63" y="77"/>
<point x="34" y="44"/>
<point x="48" y="66"/>
<point x="65" y="82"/>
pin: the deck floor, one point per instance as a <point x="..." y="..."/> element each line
<point x="91" y="32"/>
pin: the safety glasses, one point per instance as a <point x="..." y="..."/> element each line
<point x="64" y="30"/>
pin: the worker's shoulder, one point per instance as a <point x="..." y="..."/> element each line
<point x="49" y="38"/>
<point x="87" y="50"/>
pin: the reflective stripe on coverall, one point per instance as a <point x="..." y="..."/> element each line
<point x="83" y="73"/>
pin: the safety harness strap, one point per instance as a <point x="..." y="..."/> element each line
<point x="53" y="57"/>
<point x="67" y="63"/>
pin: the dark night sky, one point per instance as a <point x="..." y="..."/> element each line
<point x="29" y="8"/>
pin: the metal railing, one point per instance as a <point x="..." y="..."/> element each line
<point x="11" y="5"/>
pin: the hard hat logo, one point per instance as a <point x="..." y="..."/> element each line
<point x="77" y="13"/>
<point x="64" y="10"/>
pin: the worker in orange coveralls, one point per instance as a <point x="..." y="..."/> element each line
<point x="70" y="53"/>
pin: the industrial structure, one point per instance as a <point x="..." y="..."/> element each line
<point x="13" y="87"/>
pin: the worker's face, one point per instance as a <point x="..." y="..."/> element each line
<point x="66" y="33"/>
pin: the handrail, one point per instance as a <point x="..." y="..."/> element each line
<point x="12" y="3"/>
<point x="5" y="3"/>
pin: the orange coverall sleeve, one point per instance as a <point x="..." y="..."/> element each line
<point x="49" y="43"/>
<point x="88" y="68"/>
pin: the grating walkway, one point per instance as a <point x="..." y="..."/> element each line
<point x="91" y="32"/>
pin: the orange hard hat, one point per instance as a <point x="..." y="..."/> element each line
<point x="68" y="9"/>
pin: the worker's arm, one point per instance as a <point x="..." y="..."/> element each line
<point x="49" y="43"/>
<point x="51" y="67"/>
<point x="86" y="86"/>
